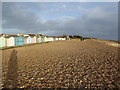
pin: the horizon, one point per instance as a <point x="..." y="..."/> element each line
<point x="61" y="35"/>
<point x="92" y="19"/>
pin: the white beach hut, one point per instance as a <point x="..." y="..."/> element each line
<point x="10" y="40"/>
<point x="49" y="38"/>
<point x="2" y="41"/>
<point x="39" y="39"/>
<point x="56" y="38"/>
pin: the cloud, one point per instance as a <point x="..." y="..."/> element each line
<point x="17" y="18"/>
<point x="97" y="22"/>
<point x="64" y="6"/>
<point x="60" y="0"/>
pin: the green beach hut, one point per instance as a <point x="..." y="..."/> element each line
<point x="43" y="39"/>
<point x="2" y="42"/>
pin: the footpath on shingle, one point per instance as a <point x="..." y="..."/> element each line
<point x="62" y="64"/>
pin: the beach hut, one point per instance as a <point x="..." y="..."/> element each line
<point x="56" y="38"/>
<point x="42" y="38"/>
<point x="39" y="38"/>
<point x="19" y="41"/>
<point x="51" y="38"/>
<point x="26" y="41"/>
<point x="10" y="40"/>
<point x="59" y="38"/>
<point x="63" y="38"/>
<point x="35" y="39"/>
<point x="2" y="42"/>
<point x="67" y="38"/>
<point x="46" y="38"/>
<point x="32" y="38"/>
<point x="29" y="39"/>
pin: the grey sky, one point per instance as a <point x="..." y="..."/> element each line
<point x="98" y="20"/>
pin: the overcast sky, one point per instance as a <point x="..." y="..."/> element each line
<point x="94" y="19"/>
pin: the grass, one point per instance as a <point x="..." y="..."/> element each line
<point x="4" y="48"/>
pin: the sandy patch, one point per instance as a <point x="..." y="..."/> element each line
<point x="109" y="43"/>
<point x="114" y="44"/>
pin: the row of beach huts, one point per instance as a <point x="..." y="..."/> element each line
<point x="21" y="39"/>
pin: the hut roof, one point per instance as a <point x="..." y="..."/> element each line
<point x="39" y="35"/>
<point x="26" y="36"/>
<point x="1" y="35"/>
<point x="63" y="36"/>
<point x="31" y="35"/>
<point x="11" y="36"/>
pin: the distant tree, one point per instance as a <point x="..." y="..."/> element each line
<point x="71" y="36"/>
<point x="77" y="36"/>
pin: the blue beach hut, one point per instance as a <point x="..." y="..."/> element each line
<point x="19" y="41"/>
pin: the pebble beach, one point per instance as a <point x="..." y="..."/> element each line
<point x="62" y="64"/>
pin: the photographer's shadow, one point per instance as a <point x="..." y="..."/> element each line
<point x="12" y="75"/>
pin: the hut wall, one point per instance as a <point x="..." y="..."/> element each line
<point x="63" y="38"/>
<point x="51" y="39"/>
<point x="19" y="41"/>
<point x="2" y="42"/>
<point x="46" y="39"/>
<point x="42" y="39"/>
<point x="56" y="39"/>
<point x="39" y="39"/>
<point x="29" y="40"/>
<point x="32" y="40"/>
<point x="10" y="41"/>
<point x="35" y="39"/>
<point x="25" y="40"/>
<point x="60" y="38"/>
